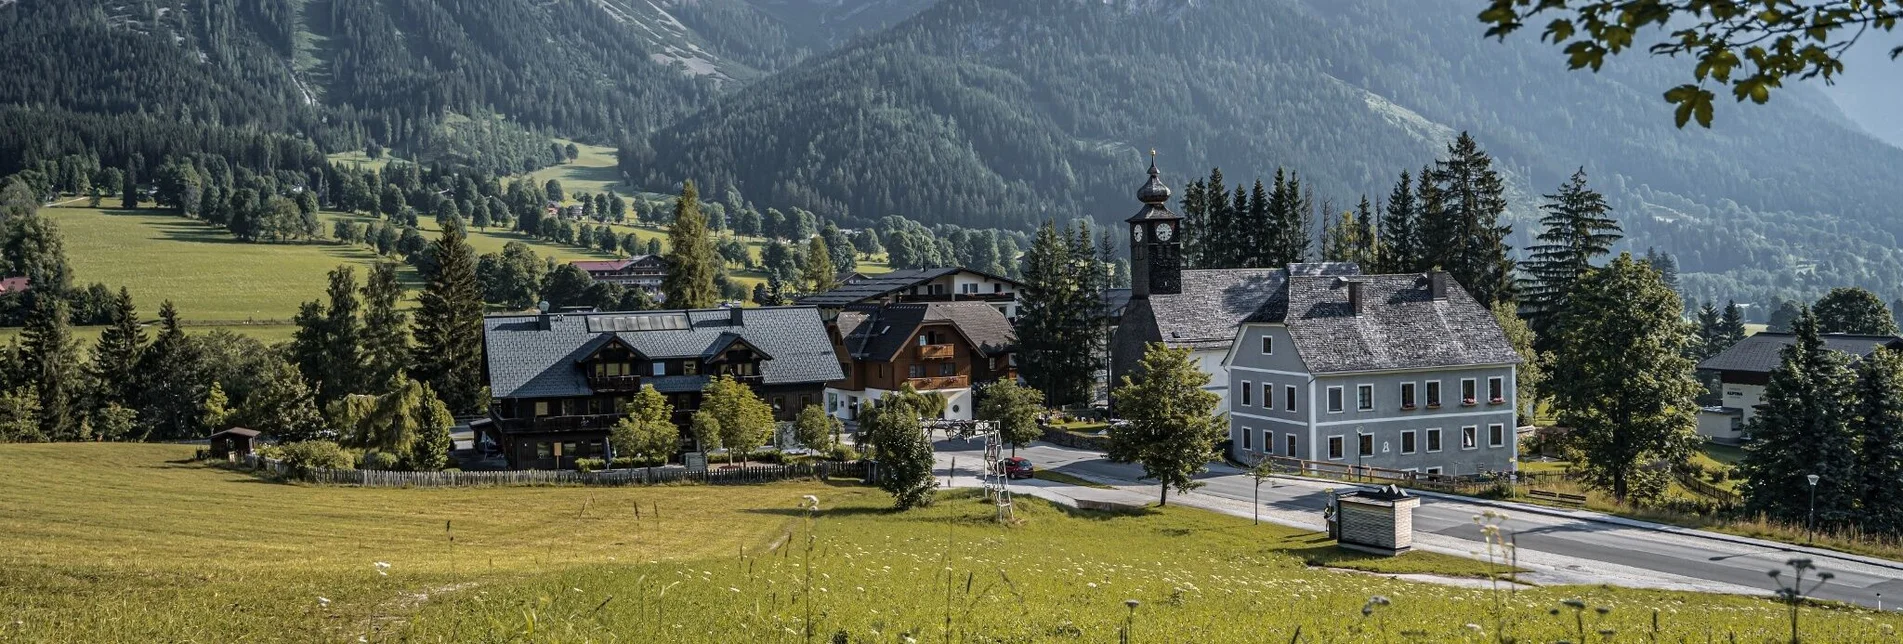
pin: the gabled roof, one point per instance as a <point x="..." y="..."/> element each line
<point x="15" y="285"/>
<point x="602" y="266"/>
<point x="1762" y="352"/>
<point x="1214" y="302"/>
<point x="1401" y="325"/>
<point x="236" y="431"/>
<point x="869" y="287"/>
<point x="527" y="360"/>
<point x="881" y="332"/>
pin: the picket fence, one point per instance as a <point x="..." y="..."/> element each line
<point x="738" y="475"/>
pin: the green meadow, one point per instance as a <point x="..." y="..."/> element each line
<point x="132" y="543"/>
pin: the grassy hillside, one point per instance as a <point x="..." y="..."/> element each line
<point x="118" y="542"/>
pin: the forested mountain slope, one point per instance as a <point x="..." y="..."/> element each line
<point x="1002" y="112"/>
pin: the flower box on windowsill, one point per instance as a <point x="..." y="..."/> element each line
<point x="1433" y="405"/>
<point x="1497" y="401"/>
<point x="1467" y="402"/>
<point x="1407" y="408"/>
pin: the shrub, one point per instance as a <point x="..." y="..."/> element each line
<point x="590" y="464"/>
<point x="375" y="460"/>
<point x="624" y="462"/>
<point x="310" y="455"/>
<point x="767" y="456"/>
<point x="843" y="453"/>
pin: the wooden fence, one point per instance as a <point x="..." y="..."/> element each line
<point x="740" y="475"/>
<point x="1692" y="482"/>
<point x="1352" y="473"/>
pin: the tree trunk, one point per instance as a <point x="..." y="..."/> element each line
<point x="1166" y="496"/>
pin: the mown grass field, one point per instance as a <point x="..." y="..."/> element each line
<point x="127" y="543"/>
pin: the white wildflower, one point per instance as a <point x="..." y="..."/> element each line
<point x="323" y="601"/>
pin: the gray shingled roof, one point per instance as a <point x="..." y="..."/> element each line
<point x="1214" y="302"/>
<point x="868" y="287"/>
<point x="1401" y="327"/>
<point x="1762" y="352"/>
<point x="527" y="361"/>
<point x="881" y="332"/>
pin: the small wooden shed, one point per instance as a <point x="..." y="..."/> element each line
<point x="233" y="443"/>
<point x="1375" y="521"/>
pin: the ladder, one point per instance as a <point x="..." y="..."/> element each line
<point x="997" y="482"/>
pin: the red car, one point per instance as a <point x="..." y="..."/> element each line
<point x="1017" y="467"/>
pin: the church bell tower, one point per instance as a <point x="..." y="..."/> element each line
<point x="1156" y="241"/>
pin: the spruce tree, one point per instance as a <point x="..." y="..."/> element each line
<point x="448" y="328"/>
<point x="690" y="257"/>
<point x="1732" y="326"/>
<point x="386" y="337"/>
<point x="1880" y="451"/>
<point x="1805" y="425"/>
<point x="1215" y="249"/>
<point x="1279" y="240"/>
<point x="1577" y="230"/>
<point x="1195" y="207"/>
<point x="430" y="451"/>
<point x="1368" y="241"/>
<point x="114" y="369"/>
<point x="343" y="339"/>
<point x="1710" y="333"/>
<point x="1255" y="229"/>
<point x="172" y="382"/>
<point x="52" y="367"/>
<point x="1400" y="241"/>
<point x="1468" y="239"/>
<point x="1621" y="379"/>
<point x="819" y="274"/>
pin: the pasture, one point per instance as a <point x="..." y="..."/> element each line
<point x="118" y="542"/>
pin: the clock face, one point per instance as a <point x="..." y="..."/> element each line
<point x="1165" y="231"/>
<point x="1136" y="232"/>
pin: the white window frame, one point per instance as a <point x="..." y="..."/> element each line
<point x="1496" y="382"/>
<point x="1337" y="400"/>
<point x="1268" y="396"/>
<point x="1464" y="382"/>
<point x="1410" y="441"/>
<point x="1290" y="395"/>
<point x="1364" y="437"/>
<point x="1290" y="444"/>
<point x="1245" y="438"/>
<point x="1496" y="435"/>
<point x="1434" y="443"/>
<point x="1433" y="471"/>
<point x="1337" y="439"/>
<point x="1358" y="390"/>
<point x="1402" y="390"/>
<point x="1431" y="394"/>
<point x="1246" y="388"/>
<point x="1466" y="431"/>
<point x="1268" y="442"/>
<point x="1268" y="344"/>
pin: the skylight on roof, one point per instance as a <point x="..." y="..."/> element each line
<point x="638" y="322"/>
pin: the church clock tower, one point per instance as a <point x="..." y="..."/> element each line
<point x="1156" y="241"/>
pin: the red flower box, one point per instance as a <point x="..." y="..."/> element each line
<point x="1467" y="402"/>
<point x="1497" y="401"/>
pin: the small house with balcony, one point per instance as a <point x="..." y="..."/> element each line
<point x="945" y="347"/>
<point x="561" y="381"/>
<point x="644" y="272"/>
<point x="948" y="284"/>
<point x="1745" y="369"/>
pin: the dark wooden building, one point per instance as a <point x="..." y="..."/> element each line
<point x="644" y="271"/>
<point x="559" y="382"/>
<point x="233" y="443"/>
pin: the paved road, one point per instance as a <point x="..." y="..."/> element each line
<point x="1561" y="549"/>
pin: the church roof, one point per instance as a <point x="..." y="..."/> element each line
<point x="1213" y="302"/>
<point x="1155" y="197"/>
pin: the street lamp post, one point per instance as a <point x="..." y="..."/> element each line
<point x="1810" y="520"/>
<point x="1361" y="457"/>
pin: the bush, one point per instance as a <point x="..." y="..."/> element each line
<point x="625" y="462"/>
<point x="767" y="456"/>
<point x="843" y="453"/>
<point x="311" y="455"/>
<point x="590" y="464"/>
<point x="375" y="460"/>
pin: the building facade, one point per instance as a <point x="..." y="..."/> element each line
<point x="644" y="271"/>
<point x="1745" y="369"/>
<point x="946" y="347"/>
<point x="1396" y="371"/>
<point x="948" y="284"/>
<point x="560" y="382"/>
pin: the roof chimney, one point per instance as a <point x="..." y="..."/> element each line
<point x="542" y="315"/>
<point x="1357" y="298"/>
<point x="1437" y="284"/>
<point x="733" y="316"/>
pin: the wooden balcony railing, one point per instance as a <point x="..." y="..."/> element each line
<point x="940" y="382"/>
<point x="605" y="384"/>
<point x="935" y="352"/>
<point x="562" y="423"/>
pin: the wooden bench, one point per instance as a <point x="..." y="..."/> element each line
<point x="1556" y="497"/>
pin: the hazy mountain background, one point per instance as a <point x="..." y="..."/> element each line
<point x="980" y="112"/>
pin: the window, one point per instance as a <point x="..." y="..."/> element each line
<point x="1288" y="397"/>
<point x="1433" y="394"/>
<point x="1364" y="397"/>
<point x="947" y="369"/>
<point x="1268" y="441"/>
<point x="1334" y="400"/>
<point x="779" y="404"/>
<point x="997" y="288"/>
<point x="1433" y="441"/>
<point x="1366" y="444"/>
<point x="690" y="367"/>
<point x="805" y="399"/>
<point x="660" y="368"/>
<point x="1496" y="389"/>
<point x="1334" y="448"/>
<point x="1407" y="441"/>
<point x="1288" y="446"/>
<point x="1246" y="388"/>
<point x="1268" y="345"/>
<point x="1469" y="437"/>
<point x="915" y="371"/>
<point x="844" y="368"/>
<point x="1496" y="435"/>
<point x="1433" y="470"/>
<point x="1467" y="391"/>
<point x="1268" y="396"/>
<point x="541" y="408"/>
<point x="1407" y="395"/>
<point x="1246" y="433"/>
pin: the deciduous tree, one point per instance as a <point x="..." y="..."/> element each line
<point x="815" y="428"/>
<point x="648" y="430"/>
<point x="746" y="422"/>
<point x="1848" y="309"/>
<point x="903" y="453"/>
<point x="1171" y="428"/>
<point x="1014" y="409"/>
<point x="284" y="407"/>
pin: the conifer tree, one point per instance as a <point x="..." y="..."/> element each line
<point x="818" y="273"/>
<point x="1368" y="240"/>
<point x="1805" y="425"/>
<point x="448" y="327"/>
<point x="171" y="382"/>
<point x="903" y="452"/>
<point x="1880" y="448"/>
<point x="690" y="257"/>
<point x="114" y="368"/>
<point x="343" y="339"/>
<point x="1058" y="337"/>
<point x="430" y="451"/>
<point x="1195" y="224"/>
<point x="1172" y="427"/>
<point x="386" y="336"/>
<point x="1732" y="326"/>
<point x="52" y="367"/>
<point x="1578" y="228"/>
<point x="1710" y="332"/>
<point x="1621" y="379"/>
<point x="1256" y="227"/>
<point x="1467" y="239"/>
<point x="1400" y="242"/>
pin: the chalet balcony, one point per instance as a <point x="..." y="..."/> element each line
<point x="589" y="422"/>
<point x="940" y="382"/>
<point x="614" y="384"/>
<point x="935" y="352"/>
<point x="750" y="378"/>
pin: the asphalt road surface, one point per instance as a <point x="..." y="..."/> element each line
<point x="1575" y="549"/>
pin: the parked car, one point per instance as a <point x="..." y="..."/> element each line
<point x="1017" y="467"/>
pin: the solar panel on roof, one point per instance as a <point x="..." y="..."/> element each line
<point x="638" y="322"/>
